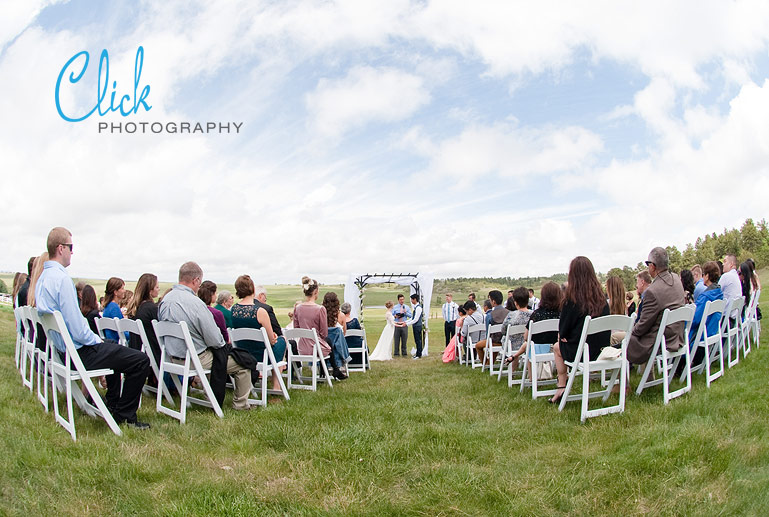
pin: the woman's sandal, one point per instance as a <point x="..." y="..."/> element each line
<point x="509" y="360"/>
<point x="557" y="400"/>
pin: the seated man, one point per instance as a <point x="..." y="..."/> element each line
<point x="642" y="282"/>
<point x="54" y="291"/>
<point x="496" y="316"/>
<point x="730" y="283"/>
<point x="699" y="281"/>
<point x="182" y="304"/>
<point x="665" y="292"/>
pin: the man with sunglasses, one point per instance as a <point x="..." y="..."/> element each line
<point x="56" y="292"/>
<point x="665" y="292"/>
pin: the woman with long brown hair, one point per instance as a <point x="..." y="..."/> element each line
<point x="89" y="306"/>
<point x="337" y="326"/>
<point x="142" y="307"/>
<point x="113" y="294"/>
<point x="18" y="281"/>
<point x="584" y="297"/>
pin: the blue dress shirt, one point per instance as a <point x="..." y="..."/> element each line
<point x="56" y="292"/>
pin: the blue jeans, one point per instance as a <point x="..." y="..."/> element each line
<point x="338" y="344"/>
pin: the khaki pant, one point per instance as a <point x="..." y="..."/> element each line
<point x="241" y="375"/>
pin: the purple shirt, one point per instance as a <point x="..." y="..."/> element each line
<point x="219" y="320"/>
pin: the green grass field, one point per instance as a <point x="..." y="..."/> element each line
<point x="409" y="437"/>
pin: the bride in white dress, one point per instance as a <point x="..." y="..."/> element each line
<point x="384" y="347"/>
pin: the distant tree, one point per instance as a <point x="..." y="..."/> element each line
<point x="675" y="259"/>
<point x="4" y="288"/>
<point x="750" y="237"/>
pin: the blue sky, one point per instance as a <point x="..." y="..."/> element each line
<point x="484" y="139"/>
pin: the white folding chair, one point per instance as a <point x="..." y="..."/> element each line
<point x="513" y="330"/>
<point x="536" y="354"/>
<point x="582" y="365"/>
<point x="190" y="368"/>
<point x="755" y="324"/>
<point x="266" y="366"/>
<point x="136" y="327"/>
<point x="27" y="360"/>
<point x="667" y="362"/>
<point x="711" y="343"/>
<point x="112" y="324"/>
<point x="18" y="314"/>
<point x="458" y="352"/>
<point x="730" y="330"/>
<point x="43" y="357"/>
<point x="471" y="359"/>
<point x="66" y="372"/>
<point x="314" y="357"/>
<point x="491" y="349"/>
<point x="745" y="324"/>
<point x="362" y="349"/>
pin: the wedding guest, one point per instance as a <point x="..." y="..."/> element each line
<point x="711" y="274"/>
<point x="207" y="293"/>
<point x="462" y="314"/>
<point x="89" y="306"/>
<point x="746" y="281"/>
<point x="260" y="300"/>
<point x="113" y="294"/>
<point x="520" y="316"/>
<point x="549" y="309"/>
<point x="495" y="316"/>
<point x="474" y="317"/>
<point x="584" y="297"/>
<point x="756" y="281"/>
<point x="310" y="315"/>
<point x="181" y="304"/>
<point x="336" y="330"/>
<point x="699" y="283"/>
<point x="615" y="288"/>
<point x="351" y="323"/>
<point x="249" y="314"/>
<point x="630" y="303"/>
<point x="79" y="289"/>
<point x="19" y="280"/>
<point x="223" y="304"/>
<point x="471" y="297"/>
<point x="144" y="309"/>
<point x="487" y="311"/>
<point x="24" y="289"/>
<point x="55" y="292"/>
<point x="666" y="292"/>
<point x="37" y="270"/>
<point x="642" y="282"/>
<point x="687" y="281"/>
<point x="127" y="297"/>
<point x="730" y="282"/>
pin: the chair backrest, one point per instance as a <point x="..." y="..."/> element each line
<point x="179" y="330"/>
<point x="711" y="307"/>
<point x="737" y="305"/>
<point x="537" y="327"/>
<point x="27" y="321"/>
<point x="297" y="334"/>
<point x="611" y="322"/>
<point x="132" y="327"/>
<point x="472" y="329"/>
<point x="683" y="315"/>
<point x="251" y="334"/>
<point x="103" y="324"/>
<point x="356" y="333"/>
<point x="53" y="323"/>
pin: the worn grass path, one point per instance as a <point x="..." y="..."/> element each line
<point x="410" y="437"/>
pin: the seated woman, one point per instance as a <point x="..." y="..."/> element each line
<point x="89" y="306"/>
<point x="520" y="316"/>
<point x="583" y="297"/>
<point x="207" y="293"/>
<point x="615" y="288"/>
<point x="245" y="314"/>
<point x="114" y="293"/>
<point x="310" y="315"/>
<point x="143" y="309"/>
<point x="351" y="323"/>
<point x="337" y="326"/>
<point x="549" y="309"/>
<point x="711" y="274"/>
<point x="223" y="304"/>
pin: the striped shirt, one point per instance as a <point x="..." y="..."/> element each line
<point x="450" y="312"/>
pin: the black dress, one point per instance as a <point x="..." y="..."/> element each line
<point x="91" y="317"/>
<point x="570" y="328"/>
<point x="145" y="313"/>
<point x="542" y="314"/>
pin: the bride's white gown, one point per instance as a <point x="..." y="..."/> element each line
<point x="384" y="347"/>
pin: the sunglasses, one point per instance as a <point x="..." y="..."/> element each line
<point x="68" y="245"/>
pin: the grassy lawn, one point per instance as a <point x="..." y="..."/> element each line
<point x="409" y="437"/>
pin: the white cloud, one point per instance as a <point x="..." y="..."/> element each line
<point x="364" y="95"/>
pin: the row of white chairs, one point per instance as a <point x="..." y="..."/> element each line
<point x="64" y="374"/>
<point x="734" y="336"/>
